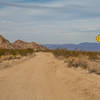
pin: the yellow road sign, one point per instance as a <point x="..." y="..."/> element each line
<point x="98" y="38"/>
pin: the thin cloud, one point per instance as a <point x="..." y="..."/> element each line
<point x="31" y="6"/>
<point x="59" y="21"/>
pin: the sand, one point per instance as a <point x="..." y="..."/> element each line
<point x="43" y="77"/>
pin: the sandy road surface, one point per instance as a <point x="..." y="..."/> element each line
<point x="43" y="77"/>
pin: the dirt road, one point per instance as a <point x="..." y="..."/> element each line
<point x="44" y="77"/>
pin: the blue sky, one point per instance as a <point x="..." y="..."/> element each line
<point x="50" y="21"/>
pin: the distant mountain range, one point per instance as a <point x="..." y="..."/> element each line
<point x="19" y="44"/>
<point x="82" y="46"/>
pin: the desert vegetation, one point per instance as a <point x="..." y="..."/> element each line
<point x="7" y="54"/>
<point x="22" y="52"/>
<point x="67" y="53"/>
<point x="84" y="59"/>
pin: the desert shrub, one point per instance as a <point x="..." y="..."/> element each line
<point x="22" y="52"/>
<point x="68" y="53"/>
<point x="7" y="57"/>
<point x="2" y="52"/>
<point x="70" y="63"/>
<point x="94" y="67"/>
<point x="62" y="52"/>
<point x="83" y="59"/>
<point x="77" y="62"/>
<point x="93" y="55"/>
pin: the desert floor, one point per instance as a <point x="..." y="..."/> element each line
<point x="44" y="77"/>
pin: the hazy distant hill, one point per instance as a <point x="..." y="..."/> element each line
<point x="4" y="43"/>
<point x="82" y="46"/>
<point x="19" y="44"/>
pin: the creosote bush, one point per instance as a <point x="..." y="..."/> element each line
<point x="68" y="53"/>
<point x="22" y="52"/>
<point x="77" y="62"/>
<point x="83" y="59"/>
